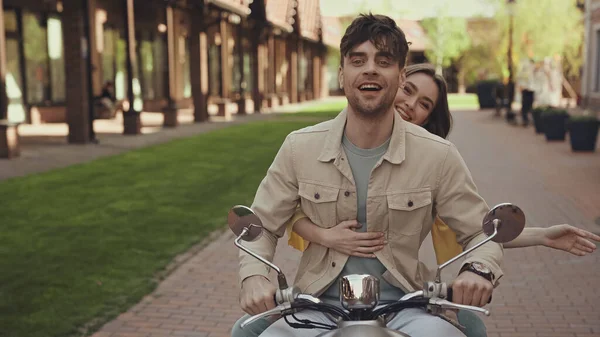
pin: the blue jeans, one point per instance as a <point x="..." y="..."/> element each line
<point x="474" y="326"/>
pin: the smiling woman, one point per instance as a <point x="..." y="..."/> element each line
<point x="414" y="104"/>
<point x="423" y="104"/>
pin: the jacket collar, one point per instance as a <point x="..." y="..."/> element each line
<point x="395" y="154"/>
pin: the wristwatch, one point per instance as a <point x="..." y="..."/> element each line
<point x="479" y="269"/>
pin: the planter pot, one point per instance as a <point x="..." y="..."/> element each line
<point x="537" y="121"/>
<point x="583" y="135"/>
<point x="554" y="126"/>
<point x="486" y="94"/>
<point x="132" y="123"/>
<point x="9" y="139"/>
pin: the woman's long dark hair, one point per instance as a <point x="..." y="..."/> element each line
<point x="440" y="120"/>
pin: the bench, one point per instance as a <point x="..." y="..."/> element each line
<point x="9" y="139"/>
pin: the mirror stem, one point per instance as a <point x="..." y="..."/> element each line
<point x="280" y="276"/>
<point x="439" y="270"/>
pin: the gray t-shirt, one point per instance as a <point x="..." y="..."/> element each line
<point x="362" y="162"/>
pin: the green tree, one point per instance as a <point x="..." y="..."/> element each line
<point x="482" y="60"/>
<point x="448" y="38"/>
<point x="543" y="29"/>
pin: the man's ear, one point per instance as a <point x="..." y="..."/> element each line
<point x="341" y="77"/>
<point x="402" y="78"/>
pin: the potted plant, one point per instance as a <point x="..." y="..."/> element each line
<point x="554" y="123"/>
<point x="536" y="113"/>
<point x="583" y="132"/>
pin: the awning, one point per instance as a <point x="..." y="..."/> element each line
<point x="233" y="6"/>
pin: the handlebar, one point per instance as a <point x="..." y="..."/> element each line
<point x="445" y="304"/>
<point x="291" y="300"/>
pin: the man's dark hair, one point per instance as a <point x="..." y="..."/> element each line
<point x="382" y="31"/>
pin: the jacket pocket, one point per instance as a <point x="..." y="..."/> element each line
<point x="319" y="203"/>
<point x="408" y="210"/>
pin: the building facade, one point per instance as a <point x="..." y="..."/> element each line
<point x="591" y="71"/>
<point x="215" y="57"/>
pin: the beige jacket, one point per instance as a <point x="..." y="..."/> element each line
<point x="419" y="176"/>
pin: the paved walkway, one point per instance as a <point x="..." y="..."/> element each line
<point x="544" y="292"/>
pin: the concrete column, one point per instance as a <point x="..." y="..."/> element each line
<point x="292" y="55"/>
<point x="242" y="101"/>
<point x="9" y="134"/>
<point x="225" y="55"/>
<point x="170" y="111"/>
<point x="131" y="118"/>
<point x="257" y="66"/>
<point x="301" y="93"/>
<point x="271" y="64"/>
<point x="3" y="95"/>
<point x="77" y="78"/>
<point x="199" y="67"/>
<point x="316" y="74"/>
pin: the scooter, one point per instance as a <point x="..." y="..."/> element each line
<point x="360" y="313"/>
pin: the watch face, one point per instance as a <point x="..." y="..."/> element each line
<point x="480" y="267"/>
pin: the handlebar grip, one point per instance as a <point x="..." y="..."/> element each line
<point x="450" y="292"/>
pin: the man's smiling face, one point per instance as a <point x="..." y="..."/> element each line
<point x="370" y="78"/>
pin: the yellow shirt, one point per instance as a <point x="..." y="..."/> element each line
<point x="295" y="240"/>
<point x="444" y="239"/>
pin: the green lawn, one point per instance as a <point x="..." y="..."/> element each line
<point x="330" y="109"/>
<point x="86" y="242"/>
<point x="460" y="102"/>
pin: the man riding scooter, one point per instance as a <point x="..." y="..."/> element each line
<point x="385" y="173"/>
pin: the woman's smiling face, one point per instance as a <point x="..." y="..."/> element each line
<point x="417" y="98"/>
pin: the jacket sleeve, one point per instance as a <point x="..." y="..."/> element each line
<point x="461" y="207"/>
<point x="275" y="202"/>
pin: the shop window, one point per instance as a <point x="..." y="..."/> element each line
<point x="36" y="58"/>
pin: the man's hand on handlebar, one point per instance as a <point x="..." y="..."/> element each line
<point x="257" y="295"/>
<point x="471" y="289"/>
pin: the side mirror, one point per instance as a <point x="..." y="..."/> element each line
<point x="244" y="223"/>
<point x="507" y="220"/>
<point x="247" y="226"/>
